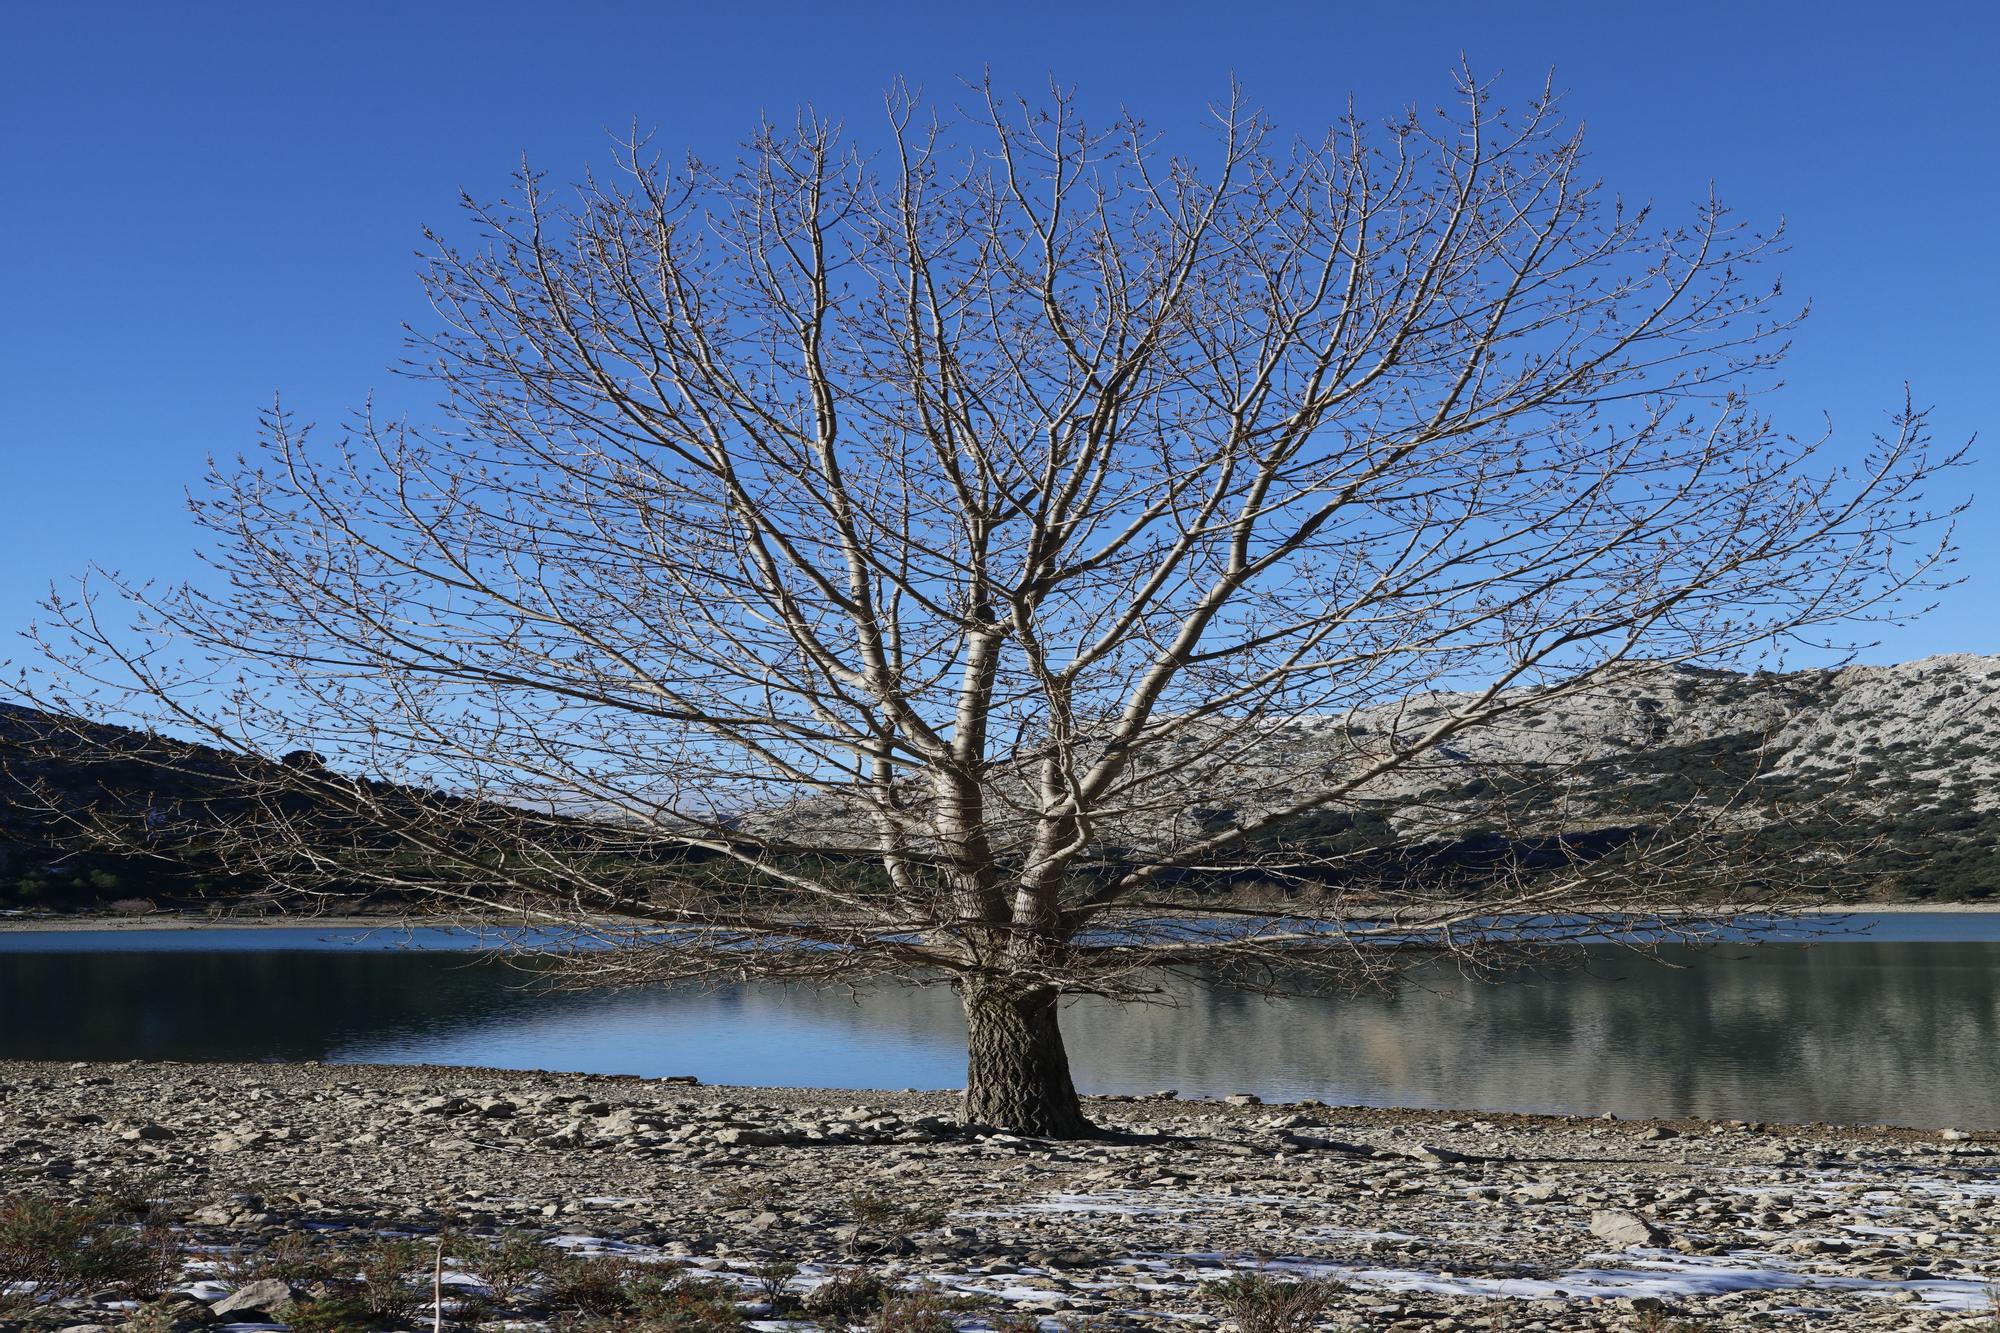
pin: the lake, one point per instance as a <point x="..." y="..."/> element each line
<point x="1899" y="1023"/>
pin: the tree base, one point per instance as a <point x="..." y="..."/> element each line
<point x="1017" y="1071"/>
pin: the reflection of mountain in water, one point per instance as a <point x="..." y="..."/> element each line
<point x="1845" y="1032"/>
<point x="236" y="1005"/>
<point x="1903" y="1032"/>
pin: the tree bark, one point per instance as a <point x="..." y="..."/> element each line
<point x="1017" y="1072"/>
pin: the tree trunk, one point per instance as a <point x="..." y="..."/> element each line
<point x="1017" y="1072"/>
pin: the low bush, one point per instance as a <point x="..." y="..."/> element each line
<point x="1013" y="1321"/>
<point x="774" y="1280"/>
<point x="331" y="1314"/>
<point x="926" y="1309"/>
<point x="684" y="1305"/>
<point x="1260" y="1303"/>
<point x="507" y="1265"/>
<point x="848" y="1296"/>
<point x="594" y="1286"/>
<point x="881" y="1224"/>
<point x="52" y="1251"/>
<point x="1655" y="1319"/>
<point x="384" y="1285"/>
<point x="295" y="1257"/>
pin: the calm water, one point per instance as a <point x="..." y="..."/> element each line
<point x="1901" y="1024"/>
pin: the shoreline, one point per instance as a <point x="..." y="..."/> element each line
<point x="176" y="921"/>
<point x="1442" y="1221"/>
<point x="1118" y="1104"/>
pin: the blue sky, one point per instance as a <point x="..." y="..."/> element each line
<point x="209" y="203"/>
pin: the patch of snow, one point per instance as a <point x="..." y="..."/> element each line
<point x="1659" y="1273"/>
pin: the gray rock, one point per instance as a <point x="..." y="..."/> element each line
<point x="1616" y="1226"/>
<point x="749" y="1138"/>
<point x="1313" y="1141"/>
<point x="1242" y="1099"/>
<point x="177" y="1313"/>
<point x="1431" y="1152"/>
<point x="265" y="1296"/>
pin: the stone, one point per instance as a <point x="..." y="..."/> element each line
<point x="1431" y="1152"/>
<point x="176" y="1313"/>
<point x="748" y="1138"/>
<point x="1319" y="1144"/>
<point x="1242" y="1099"/>
<point x="1616" y="1226"/>
<point x="265" y="1296"/>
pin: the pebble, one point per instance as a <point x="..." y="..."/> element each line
<point x="1125" y="1230"/>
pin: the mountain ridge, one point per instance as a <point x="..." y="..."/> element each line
<point x="1899" y="763"/>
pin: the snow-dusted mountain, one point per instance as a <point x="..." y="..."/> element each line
<point x="1899" y="765"/>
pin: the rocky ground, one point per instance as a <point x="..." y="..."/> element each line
<point x="1428" y="1221"/>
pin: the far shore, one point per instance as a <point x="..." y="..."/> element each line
<point x="176" y="921"/>
<point x="23" y="921"/>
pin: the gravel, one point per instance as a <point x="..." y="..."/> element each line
<point x="1431" y="1220"/>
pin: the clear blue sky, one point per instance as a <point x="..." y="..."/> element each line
<point x="207" y="202"/>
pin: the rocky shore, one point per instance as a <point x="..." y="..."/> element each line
<point x="1425" y="1220"/>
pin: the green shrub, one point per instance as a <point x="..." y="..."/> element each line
<point x="595" y="1286"/>
<point x="383" y="1286"/>
<point x="138" y="1198"/>
<point x="882" y="1224"/>
<point x="684" y="1305"/>
<point x="1260" y="1303"/>
<point x="382" y="1283"/>
<point x="652" y="1300"/>
<point x="774" y="1280"/>
<point x="330" y="1314"/>
<point x="1013" y="1321"/>
<point x="51" y="1252"/>
<point x="926" y="1309"/>
<point x="1654" y="1319"/>
<point x="295" y="1257"/>
<point x="848" y="1296"/>
<point x="507" y="1264"/>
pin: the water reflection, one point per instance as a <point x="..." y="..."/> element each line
<point x="1895" y="1030"/>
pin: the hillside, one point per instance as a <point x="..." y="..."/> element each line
<point x="1900" y="765"/>
<point x="50" y="772"/>
<point x="94" y="815"/>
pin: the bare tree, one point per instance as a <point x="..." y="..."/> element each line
<point x="834" y="565"/>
